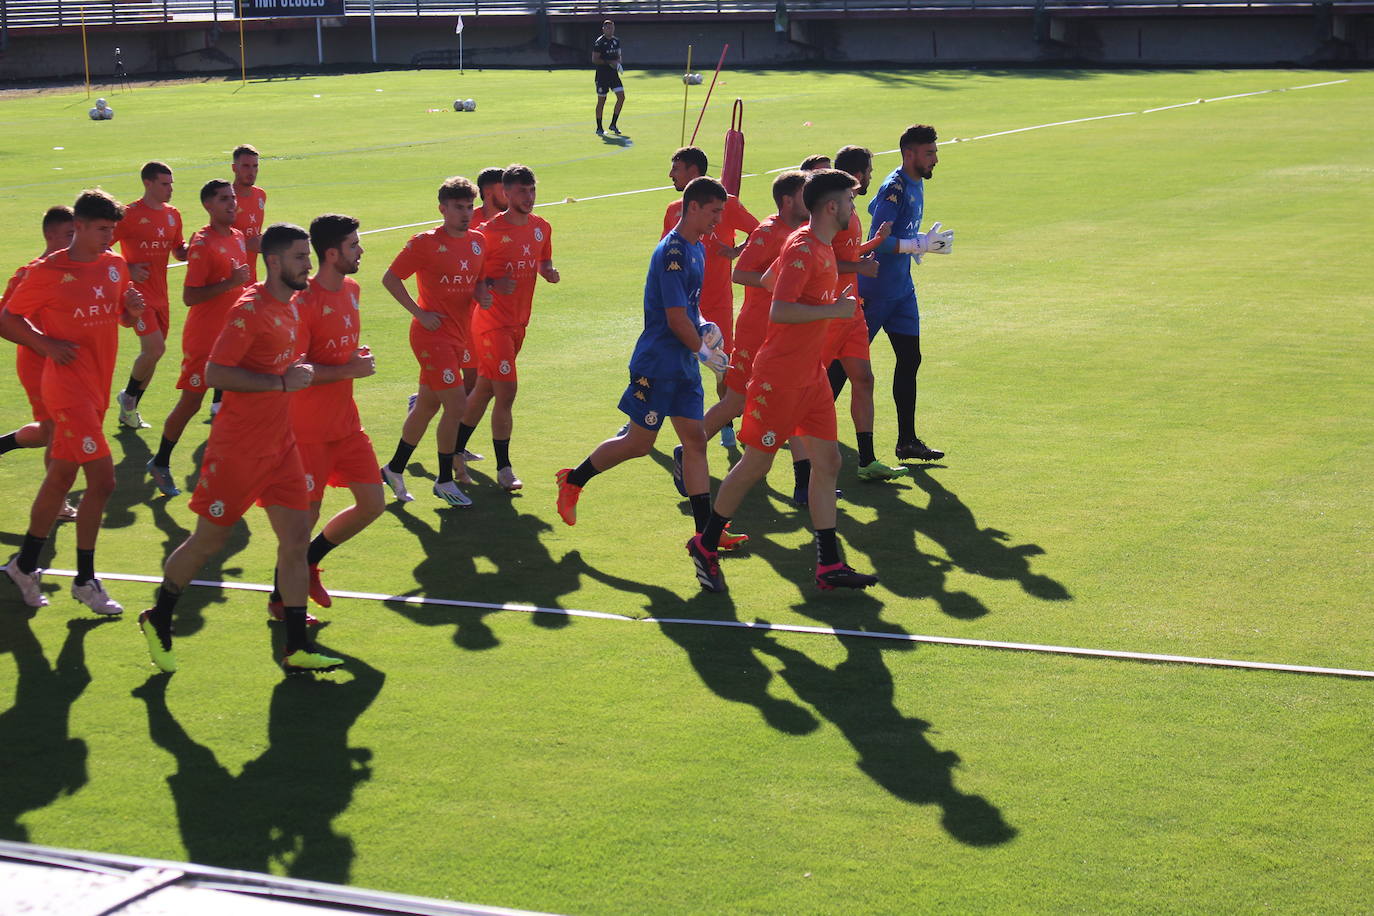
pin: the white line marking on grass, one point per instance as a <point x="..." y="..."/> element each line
<point x="781" y="627"/>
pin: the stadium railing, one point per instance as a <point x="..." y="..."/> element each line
<point x="20" y="14"/>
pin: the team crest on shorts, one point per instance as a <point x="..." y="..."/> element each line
<point x="88" y="445"/>
<point x="310" y="483"/>
<point x="651" y="418"/>
<point x="114" y="274"/>
<point x="769" y="439"/>
<point x="195" y="380"/>
<point x="448" y="376"/>
<point x="141" y="325"/>
<point x="538" y="234"/>
<point x="505" y="367"/>
<point x="467" y="356"/>
<point x="217" y="508"/>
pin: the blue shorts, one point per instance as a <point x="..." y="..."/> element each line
<point x="896" y="316"/>
<point x="647" y="401"/>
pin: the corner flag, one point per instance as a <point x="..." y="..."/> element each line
<point x="458" y="29"/>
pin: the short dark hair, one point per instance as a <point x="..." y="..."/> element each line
<point x="854" y="159"/>
<point x="154" y="169"/>
<point x="821" y="183"/>
<point x="916" y="135"/>
<point x="787" y="184"/>
<point x="515" y="173"/>
<point x="329" y="231"/>
<point x="692" y="156"/>
<point x="811" y="163"/>
<point x="56" y="216"/>
<point x="702" y="190"/>
<point x="487" y="177"/>
<point x="280" y="236"/>
<point x="97" y="204"/>
<point x="212" y="187"/>
<point x="457" y="188"/>
<point x="244" y="149"/>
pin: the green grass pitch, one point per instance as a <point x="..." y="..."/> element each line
<point x="1148" y="359"/>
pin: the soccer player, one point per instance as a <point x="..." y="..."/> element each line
<point x="493" y="197"/>
<point x="717" y="294"/>
<point x="252" y="454"/>
<point x="520" y="249"/>
<point x="847" y="345"/>
<point x="58" y="230"/>
<point x="664" y="379"/>
<point x="251" y="215"/>
<point x="216" y="272"/>
<point x="815" y="163"/>
<point x="606" y="58"/>
<point x="448" y="264"/>
<point x="890" y="297"/>
<point x="788" y="393"/>
<point x="334" y="449"/>
<point x="149" y="235"/>
<point x="78" y="297"/>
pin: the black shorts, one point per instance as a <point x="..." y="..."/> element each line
<point x="608" y="80"/>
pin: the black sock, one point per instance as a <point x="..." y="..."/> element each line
<point x="85" y="566"/>
<point x="28" y="553"/>
<point x="161" y="614"/>
<point x="134" y="388"/>
<point x="163" y="458"/>
<point x="907" y="349"/>
<point x="502" y="447"/>
<point x="801" y="473"/>
<point x="827" y="547"/>
<point x="219" y="396"/>
<point x="296" y="633"/>
<point x="445" y="467"/>
<point x="866" y="456"/>
<point x="701" y="510"/>
<point x="837" y="377"/>
<point x="584" y="472"/>
<point x="8" y="443"/>
<point x="404" y="450"/>
<point x="598" y="124"/>
<point x="319" y="549"/>
<point x="275" y="597"/>
<point x="464" y="434"/>
<point x="710" y="533"/>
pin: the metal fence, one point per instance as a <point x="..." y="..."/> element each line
<point x="19" y="14"/>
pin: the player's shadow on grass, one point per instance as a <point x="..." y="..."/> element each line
<point x="494" y="534"/>
<point x="857" y="696"/>
<point x="280" y="809"/>
<point x="623" y="141"/>
<point x="190" y="612"/>
<point x="725" y="660"/>
<point x="39" y="760"/>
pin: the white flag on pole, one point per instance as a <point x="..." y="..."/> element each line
<point x="458" y="29"/>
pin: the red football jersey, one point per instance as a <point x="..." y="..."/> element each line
<point x="514" y="251"/>
<point x="329" y="337"/>
<point x="149" y="236"/>
<point x="211" y="259"/>
<point x="764" y="244"/>
<point x="791" y="353"/>
<point x="446" y="270"/>
<point x="262" y="334"/>
<point x="251" y="218"/>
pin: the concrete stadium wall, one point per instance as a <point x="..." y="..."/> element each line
<point x="1001" y="37"/>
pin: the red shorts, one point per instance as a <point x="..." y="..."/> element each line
<point x="192" y="376"/>
<point x="741" y="364"/>
<point x="774" y="415"/>
<point x="340" y="463"/>
<point x="441" y="357"/>
<point x="156" y="317"/>
<point x="846" y="338"/>
<point x="230" y="483"/>
<point x="28" y="365"/>
<point x="77" y="435"/>
<point x="725" y="320"/>
<point x="496" y="352"/>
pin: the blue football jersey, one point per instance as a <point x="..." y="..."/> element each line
<point x="901" y="201"/>
<point x="674" y="281"/>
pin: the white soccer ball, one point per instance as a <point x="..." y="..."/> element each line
<point x="469" y="105"/>
<point x="101" y="111"/>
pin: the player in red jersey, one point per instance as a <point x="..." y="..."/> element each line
<point x="335" y="450"/>
<point x="717" y="293"/>
<point x="78" y="297"/>
<point x="252" y="454"/>
<point x="216" y="273"/>
<point x="58" y="230"/>
<point x="251" y="215"/>
<point x="847" y="345"/>
<point x="493" y="196"/>
<point x="520" y="249"/>
<point x="149" y="235"/>
<point x="788" y="393"/>
<point x="448" y="264"/>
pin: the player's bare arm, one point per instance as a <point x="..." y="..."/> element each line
<point x="748" y="278"/>
<point x="393" y="284"/>
<point x="548" y="271"/>
<point x="18" y="329"/>
<point x="683" y="329"/>
<point x="139" y="272"/>
<point x="195" y="295"/>
<point x="233" y="378"/>
<point x="360" y="365"/>
<point x="800" y="313"/>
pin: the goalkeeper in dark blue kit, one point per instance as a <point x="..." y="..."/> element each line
<point x="606" y="57"/>
<point x="890" y="297"/>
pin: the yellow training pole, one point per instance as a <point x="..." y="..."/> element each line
<point x="243" y="66"/>
<point x="683" y="138"/>
<point x="85" y="55"/>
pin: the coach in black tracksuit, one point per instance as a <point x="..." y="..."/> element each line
<point x="606" y="57"/>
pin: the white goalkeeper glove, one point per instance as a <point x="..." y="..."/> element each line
<point x="714" y="359"/>
<point x="711" y="335"/>
<point x="936" y="241"/>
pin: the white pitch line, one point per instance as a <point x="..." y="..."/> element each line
<point x="781" y="627"/>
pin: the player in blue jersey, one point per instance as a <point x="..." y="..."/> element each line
<point x="665" y="382"/>
<point x="890" y="297"/>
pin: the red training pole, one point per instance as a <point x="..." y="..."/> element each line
<point x="708" y="93"/>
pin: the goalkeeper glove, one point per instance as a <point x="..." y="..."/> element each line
<point x="935" y="241"/>
<point x="714" y="359"/>
<point x="710" y="335"/>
